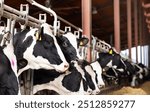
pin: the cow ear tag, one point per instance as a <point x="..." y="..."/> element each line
<point x="37" y="35"/>
<point x="81" y="43"/>
<point x="111" y="51"/>
<point x="40" y="38"/>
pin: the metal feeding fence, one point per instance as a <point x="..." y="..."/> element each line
<point x="24" y="19"/>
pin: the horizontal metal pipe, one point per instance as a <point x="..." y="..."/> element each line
<point x="146" y="5"/>
<point x="34" y="19"/>
<point x="147" y="21"/>
<point x="12" y="10"/>
<point x="19" y="19"/>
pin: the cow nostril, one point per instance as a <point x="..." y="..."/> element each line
<point x="90" y="91"/>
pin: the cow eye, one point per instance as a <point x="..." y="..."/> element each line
<point x="65" y="44"/>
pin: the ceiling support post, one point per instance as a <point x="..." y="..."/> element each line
<point x="117" y="24"/>
<point x="136" y="28"/>
<point x="129" y="26"/>
<point x="86" y="24"/>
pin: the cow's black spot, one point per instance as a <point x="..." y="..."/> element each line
<point x="42" y="76"/>
<point x="72" y="81"/>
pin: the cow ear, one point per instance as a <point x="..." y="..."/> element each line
<point x="82" y="41"/>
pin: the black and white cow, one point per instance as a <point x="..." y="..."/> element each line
<point x="110" y="77"/>
<point x="120" y="71"/>
<point x="43" y="52"/>
<point x="111" y="60"/>
<point x="140" y="76"/>
<point x="75" y="81"/>
<point x="81" y="78"/>
<point x="114" y="68"/>
<point x="69" y="44"/>
<point x="145" y="72"/>
<point x="8" y="72"/>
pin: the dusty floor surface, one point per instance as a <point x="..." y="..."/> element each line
<point x="144" y="89"/>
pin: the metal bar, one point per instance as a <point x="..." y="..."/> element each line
<point x="145" y="5"/>
<point x="140" y="27"/>
<point x="18" y="19"/>
<point x="13" y="22"/>
<point x="12" y="10"/>
<point x="136" y="28"/>
<point x="86" y="24"/>
<point x="48" y="10"/>
<point x="117" y="24"/>
<point x="129" y="26"/>
<point x="147" y="21"/>
<point x="146" y="14"/>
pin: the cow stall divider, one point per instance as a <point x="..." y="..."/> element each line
<point x="24" y="19"/>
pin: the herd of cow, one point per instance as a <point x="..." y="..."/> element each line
<point x="58" y="65"/>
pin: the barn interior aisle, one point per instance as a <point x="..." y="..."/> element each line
<point x="75" y="47"/>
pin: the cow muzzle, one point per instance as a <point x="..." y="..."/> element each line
<point x="62" y="67"/>
<point x="101" y="86"/>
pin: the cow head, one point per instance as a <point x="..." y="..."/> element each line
<point x="98" y="71"/>
<point x="39" y="50"/>
<point x="138" y="77"/>
<point x="110" y="77"/>
<point x="111" y="60"/>
<point x="69" y="44"/>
